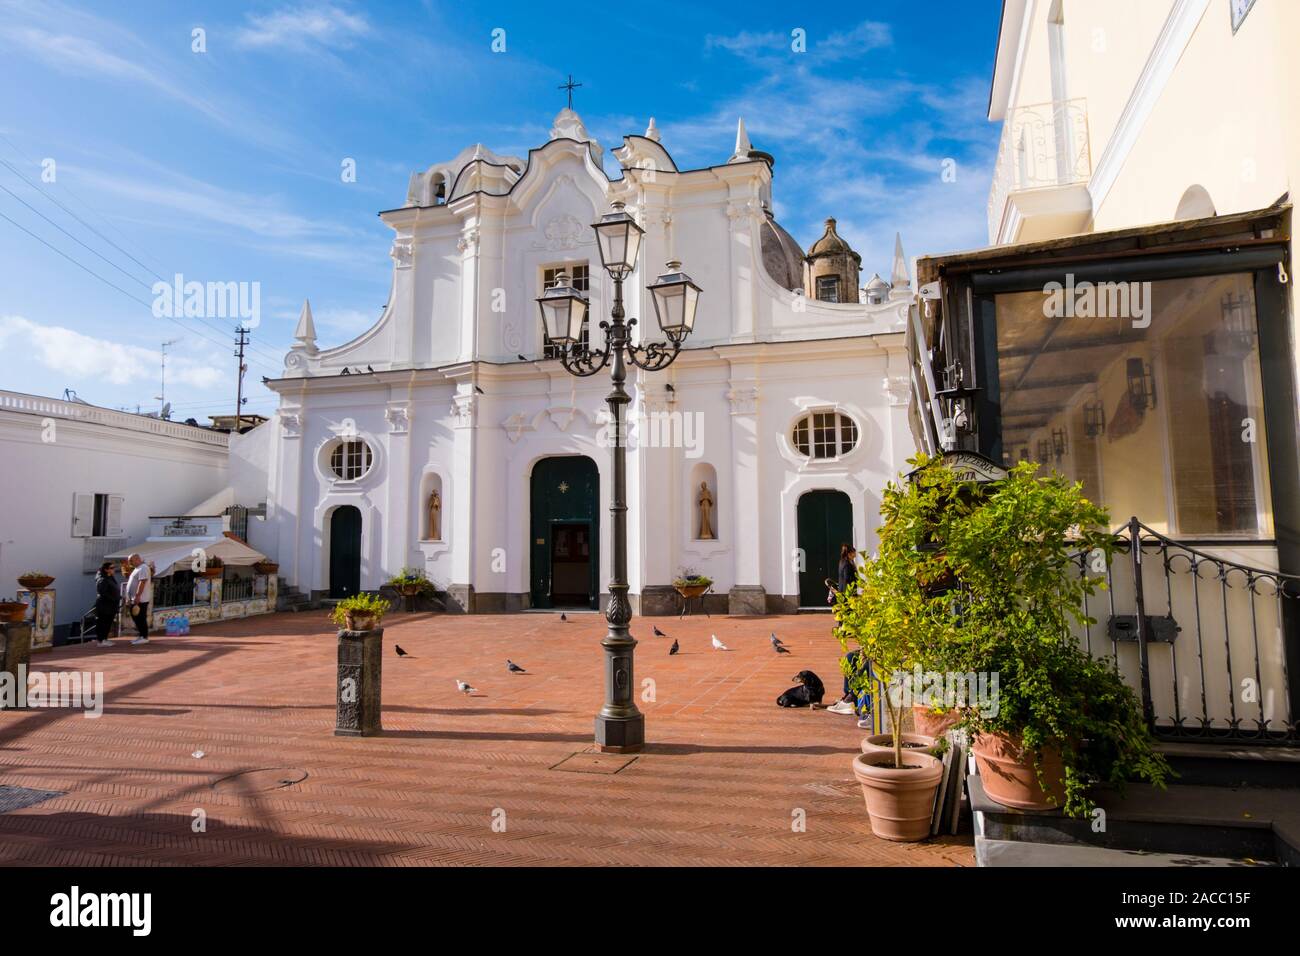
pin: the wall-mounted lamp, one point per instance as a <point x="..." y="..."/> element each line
<point x="1141" y="384"/>
<point x="1094" y="419"/>
<point x="1058" y="443"/>
<point x="959" y="398"/>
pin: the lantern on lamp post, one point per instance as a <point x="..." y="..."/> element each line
<point x="620" y="726"/>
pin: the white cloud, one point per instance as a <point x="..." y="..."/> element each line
<point x="82" y="357"/>
<point x="866" y="36"/>
<point x="301" y="28"/>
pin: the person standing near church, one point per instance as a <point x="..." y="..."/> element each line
<point x="108" y="600"/>
<point x="139" y="595"/>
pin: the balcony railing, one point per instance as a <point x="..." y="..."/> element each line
<point x="1043" y="146"/>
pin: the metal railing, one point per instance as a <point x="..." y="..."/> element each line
<point x="1203" y="640"/>
<point x="173" y="590"/>
<point x="236" y="589"/>
<point x="1042" y="145"/>
<point x="76" y="411"/>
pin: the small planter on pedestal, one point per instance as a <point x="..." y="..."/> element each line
<point x="360" y="666"/>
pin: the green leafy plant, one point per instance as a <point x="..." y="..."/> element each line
<point x="412" y="580"/>
<point x="983" y="579"/>
<point x="360" y="605"/>
<point x="690" y="578"/>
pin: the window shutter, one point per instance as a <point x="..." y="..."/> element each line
<point x="113" y="522"/>
<point x="83" y="515"/>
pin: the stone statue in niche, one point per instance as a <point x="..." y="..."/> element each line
<point x="705" y="502"/>
<point x="435" y="516"/>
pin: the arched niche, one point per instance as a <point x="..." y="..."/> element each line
<point x="703" y="475"/>
<point x="433" y="521"/>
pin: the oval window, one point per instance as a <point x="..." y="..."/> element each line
<point x="825" y="435"/>
<point x="350" y="459"/>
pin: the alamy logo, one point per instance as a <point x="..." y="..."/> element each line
<point x="73" y="909"/>
<point x="84" y="689"/>
<point x="1098" y="300"/>
<point x="658" y="430"/>
<point x="208" y="300"/>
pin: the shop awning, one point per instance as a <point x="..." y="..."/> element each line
<point x="174" y="554"/>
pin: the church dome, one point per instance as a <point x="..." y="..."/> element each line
<point x="782" y="255"/>
<point x="830" y="244"/>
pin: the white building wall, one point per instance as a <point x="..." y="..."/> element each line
<point x="53" y="450"/>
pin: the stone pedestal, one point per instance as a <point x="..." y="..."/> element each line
<point x="359" y="683"/>
<point x="659" y="600"/>
<point x="15" y="651"/>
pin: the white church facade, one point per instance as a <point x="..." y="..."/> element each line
<point x="447" y="438"/>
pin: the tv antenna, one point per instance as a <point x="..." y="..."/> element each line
<point x="162" y="382"/>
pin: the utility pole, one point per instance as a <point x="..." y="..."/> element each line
<point x="162" y="382"/>
<point x="241" y="339"/>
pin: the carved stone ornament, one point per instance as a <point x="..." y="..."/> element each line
<point x="398" y="419"/>
<point x="402" y="252"/>
<point x="744" y="400"/>
<point x="468" y="240"/>
<point x="291" y="423"/>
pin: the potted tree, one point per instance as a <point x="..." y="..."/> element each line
<point x="360" y="612"/>
<point x="893" y="620"/>
<point x="35" y="580"/>
<point x="1062" y="721"/>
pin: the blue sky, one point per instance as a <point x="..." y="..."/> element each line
<point x="225" y="165"/>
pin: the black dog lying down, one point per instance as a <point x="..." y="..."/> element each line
<point x="809" y="691"/>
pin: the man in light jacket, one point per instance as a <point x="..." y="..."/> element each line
<point x="139" y="595"/>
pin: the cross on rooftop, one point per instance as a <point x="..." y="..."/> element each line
<point x="570" y="86"/>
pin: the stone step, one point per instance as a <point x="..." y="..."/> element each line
<point x="1017" y="853"/>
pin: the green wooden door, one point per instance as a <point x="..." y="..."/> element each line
<point x="825" y="521"/>
<point x="345" y="552"/>
<point x="565" y="533"/>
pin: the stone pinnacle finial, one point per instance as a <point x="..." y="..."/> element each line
<point x="899" y="277"/>
<point x="743" y="146"/>
<point x="305" y="333"/>
<point x="652" y="131"/>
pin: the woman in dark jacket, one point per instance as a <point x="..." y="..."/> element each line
<point x="847" y="574"/>
<point x="108" y="598"/>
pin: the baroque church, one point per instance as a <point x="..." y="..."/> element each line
<point x="448" y="436"/>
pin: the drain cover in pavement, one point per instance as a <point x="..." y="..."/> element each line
<point x="590" y="761"/>
<point x="15" y="798"/>
<point x="260" y="781"/>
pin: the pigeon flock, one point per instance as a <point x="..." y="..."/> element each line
<point x="468" y="689"/>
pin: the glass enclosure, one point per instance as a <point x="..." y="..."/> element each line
<point x="1156" y="406"/>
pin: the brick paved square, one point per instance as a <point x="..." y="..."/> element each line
<point x="721" y="779"/>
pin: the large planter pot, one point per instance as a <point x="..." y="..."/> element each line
<point x="912" y="743"/>
<point x="900" y="802"/>
<point x="358" y="621"/>
<point x="930" y="724"/>
<point x="691" y="590"/>
<point x="1010" y="777"/>
<point x="212" y="571"/>
<point x="36" y="582"/>
<point x="12" y="612"/>
<point x="266" y="567"/>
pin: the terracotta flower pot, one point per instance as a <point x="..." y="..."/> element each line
<point x="35" y="582"/>
<point x="359" y="622"/>
<point x="691" y="590"/>
<point x="1010" y="777"/>
<point x="900" y="802"/>
<point x="912" y="743"/>
<point x="12" y="612"/>
<point x="266" y="567"/>
<point x="930" y="724"/>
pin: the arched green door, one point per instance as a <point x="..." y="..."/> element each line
<point x="825" y="520"/>
<point x="565" y="526"/>
<point x="345" y="551"/>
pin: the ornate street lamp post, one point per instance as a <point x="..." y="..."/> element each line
<point x="620" y="726"/>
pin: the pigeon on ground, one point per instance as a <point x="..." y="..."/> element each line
<point x="718" y="645"/>
<point x="780" y="648"/>
<point x="563" y="616"/>
<point x="369" y="369"/>
<point x="464" y="688"/>
<point x="659" y="633"/>
<point x="674" y="649"/>
<point x="514" y="668"/>
<point x="776" y="641"/>
<point x="520" y="356"/>
<point x="400" y="652"/>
